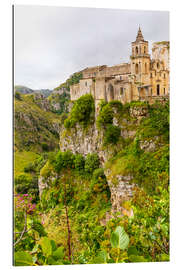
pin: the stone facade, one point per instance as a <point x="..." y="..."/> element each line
<point x="143" y="78"/>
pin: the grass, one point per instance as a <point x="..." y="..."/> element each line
<point x="21" y="160"/>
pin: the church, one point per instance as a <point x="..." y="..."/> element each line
<point x="145" y="77"/>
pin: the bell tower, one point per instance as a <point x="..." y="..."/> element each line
<point x="140" y="58"/>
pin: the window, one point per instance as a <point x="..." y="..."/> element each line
<point x="158" y="89"/>
<point x="144" y="49"/>
<point x="150" y="75"/>
<point x="164" y="91"/>
<point x="136" y="68"/>
<point x="121" y="91"/>
<point x="85" y="83"/>
<point x="145" y="67"/>
<point x="120" y="78"/>
<point x="136" y="50"/>
<point x="151" y="91"/>
<point x="155" y="73"/>
<point x="164" y="76"/>
<point x="157" y="65"/>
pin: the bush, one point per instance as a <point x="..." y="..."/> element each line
<point x="64" y="160"/>
<point x="112" y="134"/>
<point x="25" y="184"/>
<point x="45" y="146"/>
<point x="18" y="95"/>
<point x="91" y="163"/>
<point x="99" y="182"/>
<point x="105" y="116"/>
<point x="82" y="112"/>
<point x="116" y="104"/>
<point x="79" y="162"/>
<point x="29" y="168"/>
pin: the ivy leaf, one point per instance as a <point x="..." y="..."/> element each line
<point x="46" y="246"/>
<point x="119" y="238"/>
<point x="22" y="258"/>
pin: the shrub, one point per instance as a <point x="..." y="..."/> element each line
<point x="18" y="95"/>
<point x="82" y="112"/>
<point x="46" y="170"/>
<point x="29" y="168"/>
<point x="79" y="162"/>
<point x="64" y="160"/>
<point x="45" y="146"/>
<point x="25" y="184"/>
<point x="105" y="116"/>
<point x="117" y="104"/>
<point x="112" y="134"/>
<point x="92" y="162"/>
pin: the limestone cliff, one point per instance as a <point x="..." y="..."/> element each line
<point x="90" y="140"/>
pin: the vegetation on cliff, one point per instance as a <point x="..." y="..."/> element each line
<point x="73" y="222"/>
<point x="75" y="78"/>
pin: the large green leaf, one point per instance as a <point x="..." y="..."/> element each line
<point x="58" y="253"/>
<point x="119" y="238"/>
<point x="46" y="246"/>
<point x="22" y="258"/>
<point x="136" y="258"/>
<point x="102" y="257"/>
<point x="53" y="244"/>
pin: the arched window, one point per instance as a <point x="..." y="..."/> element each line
<point x="136" y="50"/>
<point x="158" y="89"/>
<point x="111" y="91"/>
<point x="136" y="68"/>
<point x="144" y="49"/>
<point x="121" y="91"/>
<point x="145" y="67"/>
<point x="157" y="65"/>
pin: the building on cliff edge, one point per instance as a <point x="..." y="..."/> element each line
<point x="143" y="78"/>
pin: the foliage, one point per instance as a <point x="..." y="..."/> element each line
<point x="105" y="115"/>
<point x="75" y="78"/>
<point x="82" y="112"/>
<point x="79" y="162"/>
<point x="63" y="160"/>
<point x="91" y="162"/>
<point x="34" y="126"/>
<point x="111" y="135"/>
<point x="75" y="208"/>
<point x="18" y="96"/>
<point x="25" y="184"/>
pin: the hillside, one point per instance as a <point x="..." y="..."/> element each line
<point x="34" y="127"/>
<point x="26" y="90"/>
<point x="104" y="196"/>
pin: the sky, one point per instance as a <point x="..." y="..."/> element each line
<point x="51" y="43"/>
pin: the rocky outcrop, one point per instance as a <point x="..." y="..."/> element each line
<point x="90" y="140"/>
<point x="42" y="102"/>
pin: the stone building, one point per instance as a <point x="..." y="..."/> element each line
<point x="143" y="78"/>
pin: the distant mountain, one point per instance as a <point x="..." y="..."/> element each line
<point x="23" y="89"/>
<point x="26" y="90"/>
<point x="44" y="92"/>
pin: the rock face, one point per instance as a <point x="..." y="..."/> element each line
<point x="78" y="140"/>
